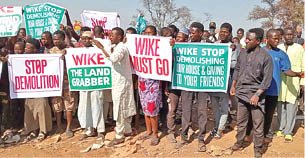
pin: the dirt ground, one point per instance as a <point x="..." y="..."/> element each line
<point x="59" y="146"/>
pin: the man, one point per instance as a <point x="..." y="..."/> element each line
<point x="90" y="109"/>
<point x="206" y="36"/>
<point x="174" y="30"/>
<point x="196" y="32"/>
<point x="252" y="76"/>
<point x="174" y="95"/>
<point x="37" y="112"/>
<point x="46" y="42"/>
<point x="98" y="32"/>
<point x="290" y="87"/>
<point x="298" y="39"/>
<point x="68" y="101"/>
<point x="240" y="34"/>
<point x="281" y="63"/>
<point x="4" y="79"/>
<point x="219" y="100"/>
<point x="122" y="87"/>
<point x="212" y="29"/>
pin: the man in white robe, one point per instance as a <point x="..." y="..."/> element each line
<point x="122" y="87"/>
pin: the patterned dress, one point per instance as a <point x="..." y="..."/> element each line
<point x="150" y="96"/>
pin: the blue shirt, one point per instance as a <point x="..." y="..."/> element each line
<point x="281" y="63"/>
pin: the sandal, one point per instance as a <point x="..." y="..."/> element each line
<point x="154" y="141"/>
<point x="83" y="136"/>
<point x="30" y="137"/>
<point x="41" y="137"/>
<point x="69" y="134"/>
<point x="288" y="138"/>
<point x="144" y="136"/>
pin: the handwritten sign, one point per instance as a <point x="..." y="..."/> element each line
<point x="88" y="69"/>
<point x="35" y="75"/>
<point x="42" y="17"/>
<point x="107" y="20"/>
<point x="201" y="67"/>
<point x="151" y="56"/>
<point x="10" y="20"/>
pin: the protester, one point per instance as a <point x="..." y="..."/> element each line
<point x="21" y="34"/>
<point x="90" y="111"/>
<point x="206" y="36"/>
<point x="4" y="80"/>
<point x="290" y="86"/>
<point x="174" y="30"/>
<point x="132" y="30"/>
<point x="67" y="102"/>
<point x="151" y="100"/>
<point x="123" y="100"/>
<point x="98" y="32"/>
<point x="281" y="63"/>
<point x="37" y="112"/>
<point x="298" y="38"/>
<point x="212" y="29"/>
<point x="196" y="32"/>
<point x="164" y="32"/>
<point x="16" y="106"/>
<point x="240" y="34"/>
<point x="252" y="76"/>
<point x="220" y="100"/>
<point x="82" y="30"/>
<point x="174" y="95"/>
<point x="46" y="42"/>
<point x="281" y="31"/>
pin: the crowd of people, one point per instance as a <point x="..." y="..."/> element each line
<point x="266" y="73"/>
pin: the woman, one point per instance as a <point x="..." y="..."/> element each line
<point x="151" y="100"/>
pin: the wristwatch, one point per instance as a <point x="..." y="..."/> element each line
<point x="257" y="94"/>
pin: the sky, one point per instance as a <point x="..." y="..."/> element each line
<point x="232" y="11"/>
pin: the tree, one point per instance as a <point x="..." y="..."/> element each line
<point x="279" y="13"/>
<point x="164" y="12"/>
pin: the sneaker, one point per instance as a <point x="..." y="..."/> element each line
<point x="171" y="138"/>
<point x="201" y="147"/>
<point x="115" y="141"/>
<point x="288" y="138"/>
<point x="279" y="134"/>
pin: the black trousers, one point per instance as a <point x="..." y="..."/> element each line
<point x="188" y="114"/>
<point x="270" y="105"/>
<point x="244" y="110"/>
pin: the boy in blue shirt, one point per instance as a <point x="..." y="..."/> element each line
<point x="281" y="63"/>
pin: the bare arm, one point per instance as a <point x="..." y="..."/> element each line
<point x="69" y="23"/>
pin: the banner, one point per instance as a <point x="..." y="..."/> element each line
<point x="35" y="75"/>
<point x="107" y="20"/>
<point x="201" y="67"/>
<point x="88" y="69"/>
<point x="151" y="56"/>
<point x="10" y="20"/>
<point x="42" y="17"/>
